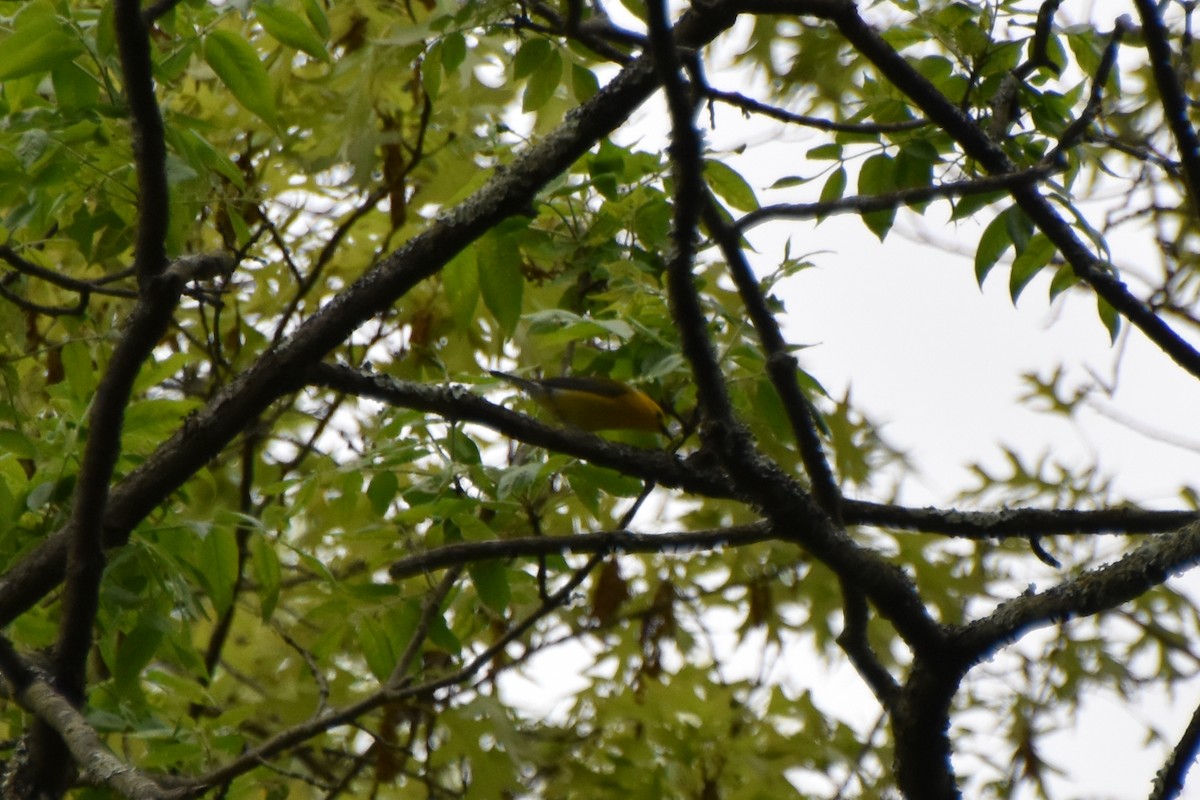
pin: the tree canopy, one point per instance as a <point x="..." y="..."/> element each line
<point x="271" y="529"/>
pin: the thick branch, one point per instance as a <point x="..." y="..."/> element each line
<point x="456" y="404"/>
<point x="1102" y="589"/>
<point x="1014" y="522"/>
<point x="1168" y="783"/>
<point x="1174" y="99"/>
<point x="147" y="324"/>
<point x="96" y="762"/>
<point x="854" y="642"/>
<point x="786" y="503"/>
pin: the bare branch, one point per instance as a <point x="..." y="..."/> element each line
<point x="781" y="364"/>
<point x="862" y="204"/>
<point x="1015" y="522"/>
<point x="602" y="542"/>
<point x="749" y="104"/>
<point x="97" y="764"/>
<point x="1174" y="99"/>
<point x="1168" y="783"/>
<point x="1102" y="589"/>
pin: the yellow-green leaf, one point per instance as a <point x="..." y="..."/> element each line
<point x="729" y="185"/>
<point x="500" y="280"/>
<point x="290" y="29"/>
<point x="236" y="63"/>
<point x="543" y="83"/>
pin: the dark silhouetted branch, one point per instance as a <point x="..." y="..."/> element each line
<point x="1174" y="99"/>
<point x="862" y="204"/>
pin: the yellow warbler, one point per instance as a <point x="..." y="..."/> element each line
<point x="594" y="404"/>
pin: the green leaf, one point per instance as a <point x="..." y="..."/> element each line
<point x="1020" y="228"/>
<point x="491" y="582"/>
<point x="1029" y="263"/>
<point x="729" y="185"/>
<point x="74" y="87"/>
<point x="376" y="647"/>
<point x="454" y="52"/>
<point x="10" y="511"/>
<point x="16" y="444"/>
<point x="381" y="491"/>
<point x="38" y="43"/>
<point x="834" y="188"/>
<point x="236" y="63"/>
<point x="264" y="564"/>
<point x="1064" y="279"/>
<point x="613" y="483"/>
<point x="441" y="635"/>
<point x="203" y="156"/>
<point x="553" y="321"/>
<point x="992" y="245"/>
<point x="431" y="75"/>
<point x="584" y="83"/>
<point x="500" y="280"/>
<point x="463" y="448"/>
<point x="134" y="652"/>
<point x="401" y="625"/>
<point x="825" y="152"/>
<point x="290" y="29"/>
<point x="652" y="224"/>
<point x="316" y="16"/>
<point x="78" y="369"/>
<point x="472" y="528"/>
<point x="1110" y="318"/>
<point x="149" y="422"/>
<point x="517" y="480"/>
<point x="460" y="282"/>
<point x="218" y="566"/>
<point x="543" y="83"/>
<point x="967" y="205"/>
<point x="877" y="176"/>
<point x="530" y="56"/>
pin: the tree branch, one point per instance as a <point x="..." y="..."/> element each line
<point x="1076" y="130"/>
<point x="781" y="364"/>
<point x="96" y="762"/>
<point x="85" y="288"/>
<point x="1014" y="522"/>
<point x="147" y="324"/>
<point x="601" y="542"/>
<point x="1169" y="781"/>
<point x="1093" y="591"/>
<point x="857" y="647"/>
<point x="749" y="104"/>
<point x="976" y="144"/>
<point x="862" y="204"/>
<point x="388" y="693"/>
<point x="1174" y="99"/>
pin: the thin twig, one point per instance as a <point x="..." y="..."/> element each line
<point x="862" y="204"/>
